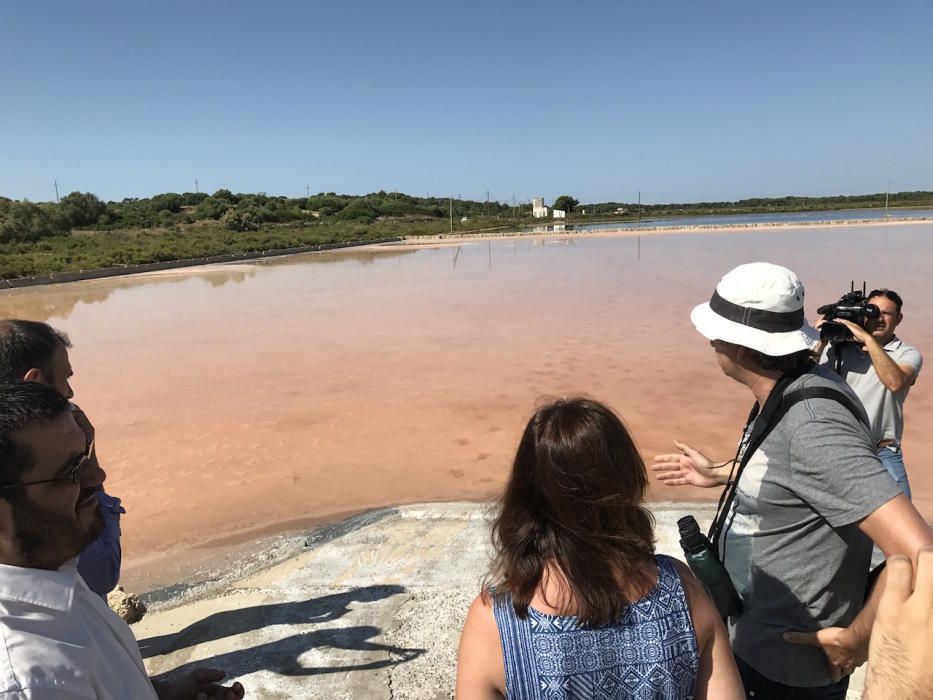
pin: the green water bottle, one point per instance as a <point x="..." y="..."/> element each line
<point x="706" y="566"/>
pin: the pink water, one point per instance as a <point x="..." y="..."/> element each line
<point x="245" y="398"/>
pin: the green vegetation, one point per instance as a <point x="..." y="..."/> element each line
<point x="82" y="232"/>
<point x="566" y="203"/>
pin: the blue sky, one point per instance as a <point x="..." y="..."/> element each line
<point x="684" y="101"/>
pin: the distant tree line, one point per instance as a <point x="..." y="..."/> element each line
<point x="84" y="232"/>
<point x="28" y="221"/>
<point x="770" y="204"/>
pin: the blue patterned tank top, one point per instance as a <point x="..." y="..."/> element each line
<point x="649" y="654"/>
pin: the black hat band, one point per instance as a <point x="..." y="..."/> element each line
<point x="768" y="321"/>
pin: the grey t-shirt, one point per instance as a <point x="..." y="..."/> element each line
<point x="885" y="408"/>
<point x="791" y="544"/>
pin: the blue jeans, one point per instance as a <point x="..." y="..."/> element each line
<point x="893" y="460"/>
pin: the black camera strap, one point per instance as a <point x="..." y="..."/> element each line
<point x="776" y="406"/>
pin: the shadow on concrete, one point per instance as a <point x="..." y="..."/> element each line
<point x="230" y="623"/>
<point x="283" y="656"/>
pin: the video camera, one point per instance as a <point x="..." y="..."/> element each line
<point x="852" y="306"/>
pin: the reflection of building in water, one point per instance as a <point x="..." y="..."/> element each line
<point x="538" y="210"/>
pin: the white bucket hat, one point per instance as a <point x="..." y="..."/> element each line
<point x="760" y="306"/>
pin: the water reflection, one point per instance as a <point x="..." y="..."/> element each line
<point x="363" y="256"/>
<point x="45" y="302"/>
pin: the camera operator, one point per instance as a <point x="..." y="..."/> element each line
<point x="880" y="368"/>
<point x="795" y="538"/>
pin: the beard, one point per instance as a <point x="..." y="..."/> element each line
<point x="46" y="539"/>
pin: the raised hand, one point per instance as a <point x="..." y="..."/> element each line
<point x="900" y="656"/>
<point x="687" y="467"/>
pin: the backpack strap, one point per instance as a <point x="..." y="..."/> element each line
<point x="771" y="415"/>
<point x="821" y="392"/>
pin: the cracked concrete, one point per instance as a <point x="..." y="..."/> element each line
<point x="374" y="611"/>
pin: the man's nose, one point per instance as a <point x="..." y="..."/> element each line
<point x="92" y="475"/>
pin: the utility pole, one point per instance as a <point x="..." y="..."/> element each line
<point x="451" y="202"/>
<point x="307" y="190"/>
<point x="196" y="190"/>
<point x="487" y="203"/>
<point x="639" y="207"/>
<point x="886" y="199"/>
<point x="57" y="198"/>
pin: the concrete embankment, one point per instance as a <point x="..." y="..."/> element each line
<point x="374" y="612"/>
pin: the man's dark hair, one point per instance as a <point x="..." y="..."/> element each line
<point x="27" y="344"/>
<point x="22" y="403"/>
<point x="794" y="363"/>
<point x="890" y="294"/>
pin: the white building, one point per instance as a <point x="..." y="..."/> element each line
<point x="560" y="214"/>
<point x="538" y="210"/>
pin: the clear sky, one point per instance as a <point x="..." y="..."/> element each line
<point x="684" y="101"/>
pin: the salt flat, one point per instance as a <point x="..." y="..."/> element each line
<point x="375" y="612"/>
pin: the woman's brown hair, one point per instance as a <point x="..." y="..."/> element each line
<point x="574" y="500"/>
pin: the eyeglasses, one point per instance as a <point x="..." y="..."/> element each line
<point x="74" y="471"/>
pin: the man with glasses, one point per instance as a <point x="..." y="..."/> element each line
<point x="57" y="638"/>
<point x="880" y="368"/>
<point x="34" y="351"/>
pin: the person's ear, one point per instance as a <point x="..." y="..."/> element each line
<point x="33" y="375"/>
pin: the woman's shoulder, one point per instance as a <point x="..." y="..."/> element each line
<point x="480" y="665"/>
<point x="703" y="613"/>
<point x="483" y="607"/>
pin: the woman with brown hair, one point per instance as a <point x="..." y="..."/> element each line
<point x="580" y="606"/>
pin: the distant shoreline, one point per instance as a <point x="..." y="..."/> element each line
<point x="422" y="241"/>
<point x="454" y="238"/>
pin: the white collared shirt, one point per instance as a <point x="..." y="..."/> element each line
<point x="60" y="641"/>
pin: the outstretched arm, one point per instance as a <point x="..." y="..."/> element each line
<point x="689" y="467"/>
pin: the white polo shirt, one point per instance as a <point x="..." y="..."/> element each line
<point x="885" y="409"/>
<point x="60" y="641"/>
